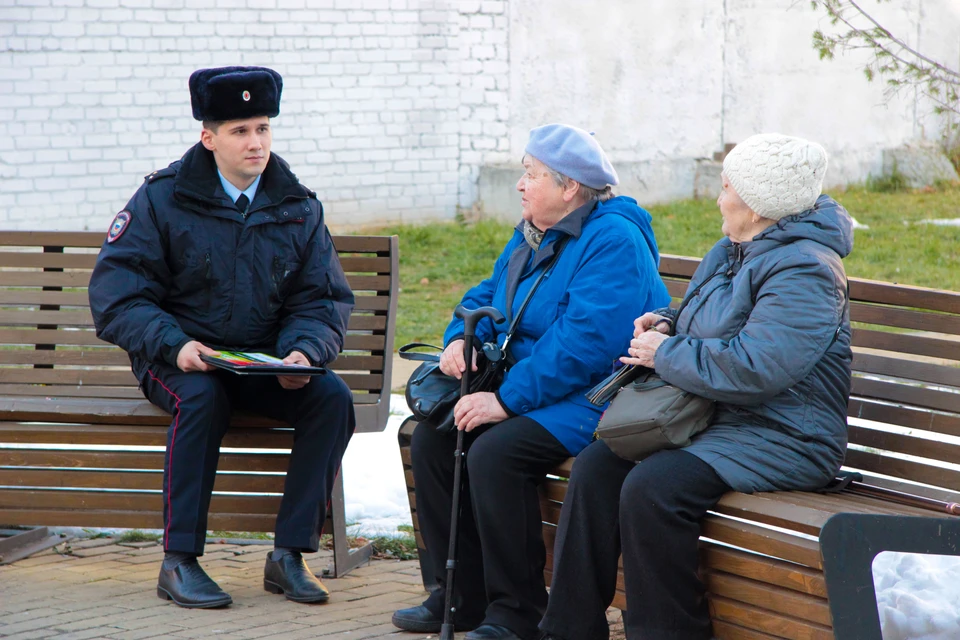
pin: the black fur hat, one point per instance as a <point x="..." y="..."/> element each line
<point x="235" y="93"/>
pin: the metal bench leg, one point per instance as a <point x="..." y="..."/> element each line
<point x="345" y="559"/>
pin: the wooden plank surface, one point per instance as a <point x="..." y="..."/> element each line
<point x="133" y="519"/>
<point x="763" y="569"/>
<point x="75" y="459"/>
<point x="132" y="480"/>
<point x="767" y="621"/>
<point x="784" y="601"/>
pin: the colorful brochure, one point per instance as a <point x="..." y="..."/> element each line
<point x="244" y="363"/>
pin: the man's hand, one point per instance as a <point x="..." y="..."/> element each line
<point x="295" y="382"/>
<point x="189" y="357"/>
<point x="478" y="409"/>
<point x="451" y="360"/>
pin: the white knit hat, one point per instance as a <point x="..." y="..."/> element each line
<point x="776" y="175"/>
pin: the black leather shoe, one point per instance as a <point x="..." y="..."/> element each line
<point x="290" y="576"/>
<point x="492" y="632"/>
<point x="188" y="585"/>
<point x="422" y="620"/>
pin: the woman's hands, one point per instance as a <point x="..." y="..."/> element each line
<point x="645" y="342"/>
<point x="649" y="320"/>
<point x="451" y="360"/>
<point x="478" y="409"/>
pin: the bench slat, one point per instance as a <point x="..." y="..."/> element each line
<point x="911" y="369"/>
<point x="908" y="444"/>
<point x="904" y="343"/>
<point x="767" y="541"/>
<point x="150" y="502"/>
<point x="914" y="418"/>
<point x="904" y="318"/>
<point x="38" y="260"/>
<point x="780" y="626"/>
<point x="83" y="318"/>
<point x="134" y="435"/>
<point x="897" y="468"/>
<point x="727" y="631"/>
<point x="51" y="239"/>
<point x="763" y="569"/>
<point x="891" y="391"/>
<point x="132" y="460"/>
<point x="766" y="596"/>
<point x="133" y="519"/>
<point x="362" y="244"/>
<point x="131" y="480"/>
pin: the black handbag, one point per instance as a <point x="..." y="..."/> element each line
<point x="432" y="395"/>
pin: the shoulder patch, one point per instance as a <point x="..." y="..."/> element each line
<point x="120" y="223"/>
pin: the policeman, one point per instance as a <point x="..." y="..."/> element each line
<point x="225" y="249"/>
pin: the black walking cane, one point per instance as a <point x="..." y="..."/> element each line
<point x="470" y="321"/>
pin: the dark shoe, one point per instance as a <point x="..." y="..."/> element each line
<point x="188" y="585"/>
<point x="422" y="620"/>
<point x="492" y="632"/>
<point x="290" y="576"/>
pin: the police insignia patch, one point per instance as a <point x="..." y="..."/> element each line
<point x="118" y="226"/>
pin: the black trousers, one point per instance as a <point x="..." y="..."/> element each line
<point x="651" y="511"/>
<point x="321" y="414"/>
<point x="499" y="578"/>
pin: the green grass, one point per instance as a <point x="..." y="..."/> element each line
<point x="240" y="535"/>
<point x="439" y="262"/>
<point x="136" y="535"/>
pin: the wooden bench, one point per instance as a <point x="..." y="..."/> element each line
<point x="60" y="386"/>
<point x="761" y="558"/>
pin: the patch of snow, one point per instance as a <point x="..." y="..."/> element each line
<point x="918" y="595"/>
<point x="374" y="487"/>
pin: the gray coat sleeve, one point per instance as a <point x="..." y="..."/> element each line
<point x="797" y="313"/>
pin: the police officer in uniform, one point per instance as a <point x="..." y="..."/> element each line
<point x="225" y="249"/>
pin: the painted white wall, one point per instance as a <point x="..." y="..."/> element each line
<point x="395" y="110"/>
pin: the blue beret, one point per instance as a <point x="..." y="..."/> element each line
<point x="235" y="93"/>
<point x="574" y="153"/>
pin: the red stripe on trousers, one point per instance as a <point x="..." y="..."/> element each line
<point x="173" y="440"/>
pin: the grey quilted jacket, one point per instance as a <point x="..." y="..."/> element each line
<point x="766" y="333"/>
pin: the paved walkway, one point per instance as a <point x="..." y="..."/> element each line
<point x="101" y="589"/>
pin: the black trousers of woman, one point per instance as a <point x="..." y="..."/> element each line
<point x="499" y="577"/>
<point x="651" y="511"/>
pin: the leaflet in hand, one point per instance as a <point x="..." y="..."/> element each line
<point x="244" y="362"/>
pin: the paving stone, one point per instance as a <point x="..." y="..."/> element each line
<point x="111" y="594"/>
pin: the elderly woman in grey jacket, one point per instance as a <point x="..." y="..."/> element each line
<point x="766" y="334"/>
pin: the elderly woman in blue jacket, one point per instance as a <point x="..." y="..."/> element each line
<point x="766" y="334"/>
<point x="575" y="327"/>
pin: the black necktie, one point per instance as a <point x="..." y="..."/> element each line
<point x="242" y="203"/>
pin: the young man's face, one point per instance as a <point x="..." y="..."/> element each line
<point x="241" y="148"/>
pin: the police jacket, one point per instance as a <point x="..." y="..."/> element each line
<point x="182" y="263"/>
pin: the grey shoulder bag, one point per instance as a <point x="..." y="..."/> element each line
<point x="648" y="414"/>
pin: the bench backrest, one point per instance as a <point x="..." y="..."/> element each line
<point x="48" y="348"/>
<point x="904" y="410"/>
<point x="60" y="385"/>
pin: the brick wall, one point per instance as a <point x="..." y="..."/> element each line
<point x="388" y="106"/>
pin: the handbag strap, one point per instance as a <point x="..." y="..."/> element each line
<point x="533" y="289"/>
<point x="406" y="352"/>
